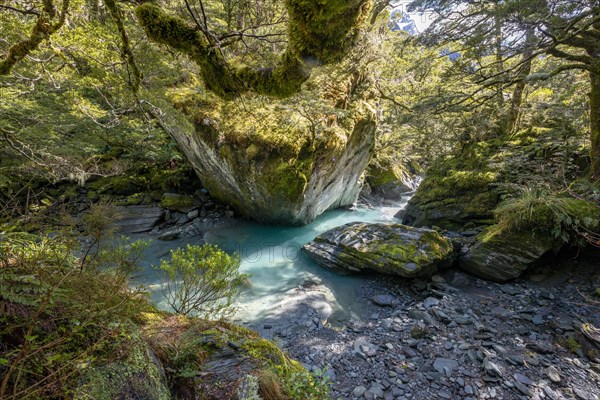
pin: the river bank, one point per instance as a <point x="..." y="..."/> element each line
<point x="454" y="336"/>
<point x="459" y="337"/>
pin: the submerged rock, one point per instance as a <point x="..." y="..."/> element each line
<point x="504" y="256"/>
<point x="388" y="249"/>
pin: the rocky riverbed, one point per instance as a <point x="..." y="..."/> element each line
<point x="452" y="337"/>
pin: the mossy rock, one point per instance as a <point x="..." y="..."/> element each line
<point x="281" y="160"/>
<point x="137" y="199"/>
<point x="453" y="199"/>
<point x="179" y="202"/>
<point x="209" y="360"/>
<point x="122" y="185"/>
<point x="389" y="249"/>
<point x="501" y="255"/>
<point x="137" y="376"/>
<point x="467" y="187"/>
<point x="391" y="180"/>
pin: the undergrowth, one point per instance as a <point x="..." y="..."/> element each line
<point x="566" y="218"/>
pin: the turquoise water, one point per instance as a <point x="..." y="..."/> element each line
<point x="272" y="257"/>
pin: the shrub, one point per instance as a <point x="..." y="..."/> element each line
<point x="202" y="280"/>
<point x="309" y="386"/>
<point x="57" y="319"/>
<point x="568" y="219"/>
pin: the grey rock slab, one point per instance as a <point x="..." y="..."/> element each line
<point x="138" y="219"/>
<point x="552" y="394"/>
<point x="384" y="300"/>
<point x="523" y="388"/>
<point x="491" y="368"/>
<point x="583" y="395"/>
<point x="430" y="302"/>
<point x="537" y="319"/>
<point x="523" y="379"/>
<point x="552" y="374"/>
<point x="441" y="364"/>
<point x="444" y="395"/>
<point x="502" y="257"/>
<point x="359" y="391"/>
<point x="388" y="249"/>
<point x="169" y="235"/>
<point x="422" y="316"/>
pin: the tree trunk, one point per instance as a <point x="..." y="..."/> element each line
<point x="595" y="124"/>
<point x="498" y="51"/>
<point x="517" y="97"/>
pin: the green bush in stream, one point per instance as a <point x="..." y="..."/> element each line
<point x="202" y="280"/>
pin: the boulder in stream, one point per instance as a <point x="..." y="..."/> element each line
<point x="389" y="249"/>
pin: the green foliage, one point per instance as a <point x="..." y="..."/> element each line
<point x="540" y="209"/>
<point x="302" y="386"/>
<point x="248" y="390"/>
<point x="202" y="280"/>
<point x="57" y="319"/>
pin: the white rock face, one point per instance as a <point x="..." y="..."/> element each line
<point x="274" y="190"/>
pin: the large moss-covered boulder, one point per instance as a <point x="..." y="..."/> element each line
<point x="502" y="255"/>
<point x="453" y="199"/>
<point x="460" y="190"/>
<point x="134" y="372"/>
<point x="211" y="359"/>
<point x="389" y="249"/>
<point x="281" y="160"/>
<point x="464" y="189"/>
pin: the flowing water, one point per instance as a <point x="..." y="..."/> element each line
<point x="277" y="267"/>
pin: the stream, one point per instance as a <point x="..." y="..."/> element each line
<point x="282" y="277"/>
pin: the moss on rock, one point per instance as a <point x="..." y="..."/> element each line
<point x="388" y="249"/>
<point x="500" y="255"/>
<point x="285" y="161"/>
<point x="137" y="375"/>
<point x="210" y="359"/>
<point x="179" y="202"/>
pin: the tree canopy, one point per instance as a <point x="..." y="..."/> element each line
<point x="517" y="33"/>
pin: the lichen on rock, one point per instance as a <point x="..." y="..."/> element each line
<point x="501" y="255"/>
<point x="389" y="249"/>
<point x="138" y="375"/>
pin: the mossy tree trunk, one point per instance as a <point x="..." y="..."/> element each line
<point x="49" y="20"/>
<point x="595" y="123"/>
<point x="319" y="32"/>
